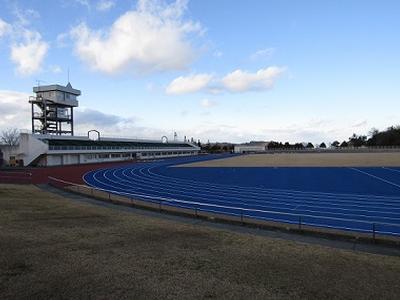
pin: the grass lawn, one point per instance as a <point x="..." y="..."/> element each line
<point x="51" y="247"/>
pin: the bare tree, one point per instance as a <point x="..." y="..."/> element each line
<point x="10" y="136"/>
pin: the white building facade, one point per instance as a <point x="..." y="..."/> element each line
<point x="249" y="148"/>
<point x="52" y="150"/>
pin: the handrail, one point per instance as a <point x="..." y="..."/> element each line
<point x="338" y="149"/>
<point x="300" y="217"/>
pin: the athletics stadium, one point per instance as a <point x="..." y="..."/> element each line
<point x="354" y="192"/>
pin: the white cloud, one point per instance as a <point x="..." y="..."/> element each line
<point x="4" y="27"/>
<point x="62" y="40"/>
<point x="152" y="37"/>
<point x="55" y="69"/>
<point x="207" y="103"/>
<point x="363" y="123"/>
<point x="188" y="84"/>
<point x="25" y="16"/>
<point x="14" y="110"/>
<point x="113" y="125"/>
<point x="218" y="53"/>
<point x="262" y="53"/>
<point x="29" y="54"/>
<point x="85" y="3"/>
<point x="105" y="5"/>
<point x="241" y="81"/>
<point x="27" y="49"/>
<point x="86" y="116"/>
<point x="234" y="82"/>
<point x="303" y="131"/>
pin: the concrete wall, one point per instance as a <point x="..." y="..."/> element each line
<point x="52" y="159"/>
<point x="30" y="148"/>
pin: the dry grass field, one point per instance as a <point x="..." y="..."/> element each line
<point x="52" y="247"/>
<point x="305" y="160"/>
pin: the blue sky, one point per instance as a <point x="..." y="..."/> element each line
<point x="215" y="70"/>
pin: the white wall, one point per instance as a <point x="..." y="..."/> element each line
<point x="54" y="160"/>
<point x="71" y="159"/>
<point x="68" y="159"/>
<point x="30" y="148"/>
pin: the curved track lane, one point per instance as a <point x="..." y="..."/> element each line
<point x="332" y="210"/>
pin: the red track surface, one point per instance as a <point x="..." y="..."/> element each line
<point x="40" y="175"/>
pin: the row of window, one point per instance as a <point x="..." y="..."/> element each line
<point x="167" y="153"/>
<point x="57" y="148"/>
<point x="133" y="155"/>
<point x="112" y="155"/>
<point x="58" y="94"/>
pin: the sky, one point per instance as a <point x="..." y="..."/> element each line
<point x="217" y="70"/>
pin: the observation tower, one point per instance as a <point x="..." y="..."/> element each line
<point x="53" y="109"/>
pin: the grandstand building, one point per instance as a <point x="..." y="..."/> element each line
<point x="51" y="150"/>
<point x="53" y="143"/>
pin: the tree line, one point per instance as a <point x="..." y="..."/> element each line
<point x="279" y="145"/>
<point x="216" y="147"/>
<point x="388" y="137"/>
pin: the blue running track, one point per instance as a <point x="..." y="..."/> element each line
<point x="357" y="199"/>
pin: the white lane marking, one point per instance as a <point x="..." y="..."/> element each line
<point x="268" y="190"/>
<point x="271" y="196"/>
<point x="376" y="177"/>
<point x="113" y="171"/>
<point x="294" y="200"/>
<point x="390" y="169"/>
<point x="272" y="192"/>
<point x="147" y="189"/>
<point x="240" y="208"/>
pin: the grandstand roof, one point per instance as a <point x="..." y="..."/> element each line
<point x="101" y="143"/>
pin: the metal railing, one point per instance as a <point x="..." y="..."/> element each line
<point x="239" y="214"/>
<point x="337" y="149"/>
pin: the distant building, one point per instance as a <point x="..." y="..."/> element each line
<point x="252" y="147"/>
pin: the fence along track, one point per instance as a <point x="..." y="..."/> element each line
<point x="269" y="219"/>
